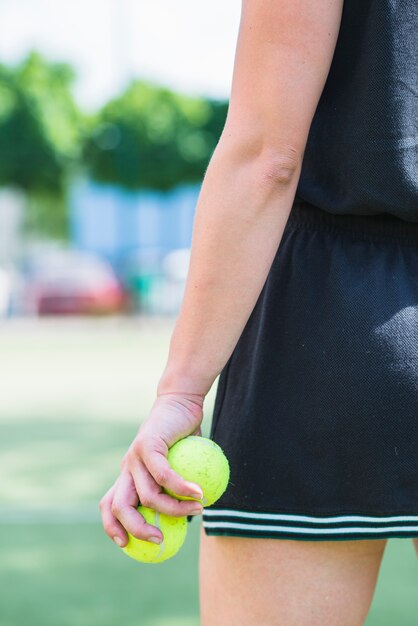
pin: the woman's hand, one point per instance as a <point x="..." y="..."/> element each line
<point x="145" y="471"/>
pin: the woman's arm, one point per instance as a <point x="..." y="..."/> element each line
<point x="283" y="56"/>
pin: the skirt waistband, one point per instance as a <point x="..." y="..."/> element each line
<point x="382" y="225"/>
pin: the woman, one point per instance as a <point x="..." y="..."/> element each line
<point x="303" y="295"/>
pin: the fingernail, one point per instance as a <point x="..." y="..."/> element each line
<point x="155" y="539"/>
<point x="196" y="511"/>
<point x="197" y="494"/>
<point x="118" y="540"/>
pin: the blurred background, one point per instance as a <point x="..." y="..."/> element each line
<point x="109" y="114"/>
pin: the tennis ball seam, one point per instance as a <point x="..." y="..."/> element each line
<point x="158" y="525"/>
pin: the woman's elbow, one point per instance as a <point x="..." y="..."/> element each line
<point x="274" y="164"/>
<point x="280" y="167"/>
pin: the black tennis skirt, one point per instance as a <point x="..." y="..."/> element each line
<point x="317" y="407"/>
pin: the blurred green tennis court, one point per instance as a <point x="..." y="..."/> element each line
<point x="72" y="395"/>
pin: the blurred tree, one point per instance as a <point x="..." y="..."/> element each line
<point x="41" y="133"/>
<point x="148" y="137"/>
<point x="151" y="137"/>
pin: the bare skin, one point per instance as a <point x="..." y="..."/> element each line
<point x="274" y="582"/>
<point x="283" y="56"/>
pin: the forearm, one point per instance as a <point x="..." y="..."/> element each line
<point x="240" y="216"/>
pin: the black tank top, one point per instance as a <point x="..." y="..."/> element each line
<point x="361" y="155"/>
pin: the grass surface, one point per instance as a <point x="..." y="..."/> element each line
<point x="72" y="397"/>
<point x="71" y="574"/>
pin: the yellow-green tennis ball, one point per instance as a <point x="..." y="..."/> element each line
<point x="174" y="530"/>
<point x="202" y="461"/>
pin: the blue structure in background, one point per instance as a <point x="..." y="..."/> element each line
<point x="119" y="224"/>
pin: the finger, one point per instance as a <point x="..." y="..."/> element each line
<point x="152" y="496"/>
<point x="113" y="528"/>
<point x="158" y="466"/>
<point x="124" y="509"/>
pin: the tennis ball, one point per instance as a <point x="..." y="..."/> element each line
<point x="202" y="461"/>
<point x="174" y="531"/>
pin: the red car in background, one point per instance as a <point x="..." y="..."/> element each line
<point x="71" y="282"/>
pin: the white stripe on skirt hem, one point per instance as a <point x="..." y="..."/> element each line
<point x="374" y="524"/>
<point x="304" y="529"/>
